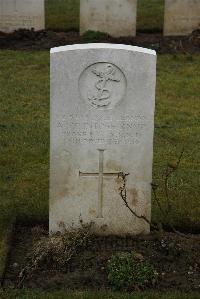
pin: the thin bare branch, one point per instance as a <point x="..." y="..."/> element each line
<point x="123" y="194"/>
<point x="168" y="173"/>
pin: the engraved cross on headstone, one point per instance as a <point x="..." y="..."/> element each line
<point x="101" y="174"/>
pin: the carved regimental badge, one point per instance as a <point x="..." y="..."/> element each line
<point x="102" y="85"/>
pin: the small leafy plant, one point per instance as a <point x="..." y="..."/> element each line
<point x="94" y="35"/>
<point x="129" y="271"/>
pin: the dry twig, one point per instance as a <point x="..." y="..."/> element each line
<point x="169" y="171"/>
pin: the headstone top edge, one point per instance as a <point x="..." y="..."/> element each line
<point x="91" y="46"/>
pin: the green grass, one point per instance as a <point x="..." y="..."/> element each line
<point x="64" y="14"/>
<point x="34" y="294"/>
<point x="24" y="138"/>
<point x="178" y="125"/>
<point x="150" y="15"/>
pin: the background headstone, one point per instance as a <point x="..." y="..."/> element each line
<point x="17" y="14"/>
<point x="115" y="17"/>
<point x="181" y="17"/>
<point x="102" y="123"/>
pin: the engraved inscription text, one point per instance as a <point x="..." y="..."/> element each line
<point x="102" y="131"/>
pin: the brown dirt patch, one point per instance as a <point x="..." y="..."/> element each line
<point x="44" y="40"/>
<point x="176" y="259"/>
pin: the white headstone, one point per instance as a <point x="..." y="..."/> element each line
<point x="102" y="123"/>
<point x="181" y="17"/>
<point x="21" y="14"/>
<point x="115" y="17"/>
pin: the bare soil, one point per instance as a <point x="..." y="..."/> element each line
<point x="175" y="258"/>
<point x="44" y="40"/>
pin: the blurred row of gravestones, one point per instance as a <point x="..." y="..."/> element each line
<point x="115" y="17"/>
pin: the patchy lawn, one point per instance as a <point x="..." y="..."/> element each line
<point x="24" y="138"/>
<point x="150" y="15"/>
<point x="64" y="15"/>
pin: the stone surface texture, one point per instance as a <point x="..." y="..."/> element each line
<point x="18" y="14"/>
<point x="102" y="123"/>
<point x="115" y="17"/>
<point x="181" y="17"/>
